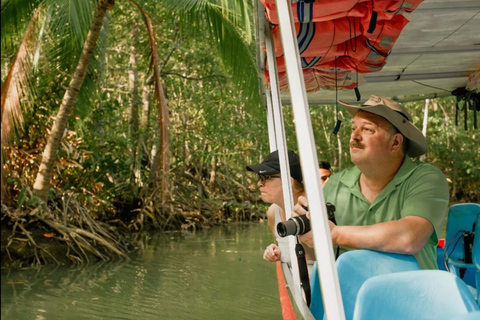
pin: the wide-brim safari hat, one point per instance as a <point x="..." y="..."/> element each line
<point x="398" y="116"/>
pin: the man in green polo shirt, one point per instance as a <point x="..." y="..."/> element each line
<point x="386" y="202"/>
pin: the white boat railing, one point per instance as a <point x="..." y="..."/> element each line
<point x="274" y="106"/>
<point x="328" y="276"/>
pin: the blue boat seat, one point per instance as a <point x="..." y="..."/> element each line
<point x="475" y="315"/>
<point x="354" y="268"/>
<point x="316" y="304"/>
<point x="421" y="294"/>
<point x="461" y="219"/>
<point x="476" y="258"/>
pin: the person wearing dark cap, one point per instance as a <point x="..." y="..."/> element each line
<point x="386" y="202"/>
<point x="271" y="190"/>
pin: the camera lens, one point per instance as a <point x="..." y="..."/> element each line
<point x="293" y="226"/>
<point x="300" y="224"/>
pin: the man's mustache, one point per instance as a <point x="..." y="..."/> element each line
<point x="356" y="144"/>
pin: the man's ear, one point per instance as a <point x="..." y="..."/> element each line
<point x="397" y="142"/>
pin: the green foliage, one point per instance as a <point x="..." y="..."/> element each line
<point x="453" y="149"/>
<point x="215" y="128"/>
<point x="228" y="27"/>
<point x="16" y="15"/>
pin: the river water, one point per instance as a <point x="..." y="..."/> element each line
<point x="207" y="274"/>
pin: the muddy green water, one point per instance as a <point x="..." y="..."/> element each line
<point x="214" y="274"/>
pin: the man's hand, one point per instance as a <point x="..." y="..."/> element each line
<point x="298" y="210"/>
<point x="272" y="253"/>
<point x="301" y="207"/>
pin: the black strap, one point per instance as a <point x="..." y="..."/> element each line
<point x="357" y="91"/>
<point x="339" y="122"/>
<point x="373" y="22"/>
<point x="302" y="266"/>
<point x="457" y="108"/>
<point x="337" y="126"/>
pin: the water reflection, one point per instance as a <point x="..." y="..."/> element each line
<point x="215" y="274"/>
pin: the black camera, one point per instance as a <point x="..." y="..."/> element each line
<point x="300" y="224"/>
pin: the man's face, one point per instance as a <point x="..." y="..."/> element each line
<point x="324" y="175"/>
<point x="271" y="188"/>
<point x="371" y="139"/>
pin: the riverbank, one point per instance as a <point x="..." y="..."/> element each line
<point x="37" y="236"/>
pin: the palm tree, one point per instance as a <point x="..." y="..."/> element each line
<point x="42" y="183"/>
<point x="228" y="22"/>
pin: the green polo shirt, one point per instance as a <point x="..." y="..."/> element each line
<point x="418" y="189"/>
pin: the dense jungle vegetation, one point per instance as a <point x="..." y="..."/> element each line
<point x="161" y="129"/>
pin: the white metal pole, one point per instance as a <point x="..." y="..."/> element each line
<point x="282" y="151"/>
<point x="270" y="122"/>
<point x="331" y="295"/>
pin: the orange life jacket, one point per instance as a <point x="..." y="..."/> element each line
<point x="358" y="55"/>
<point x="338" y="39"/>
<point x="315" y="11"/>
<point x="320" y="79"/>
<point x="317" y="39"/>
<point x="324" y="10"/>
<point x="314" y="37"/>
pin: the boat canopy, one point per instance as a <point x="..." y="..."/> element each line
<point x="406" y="50"/>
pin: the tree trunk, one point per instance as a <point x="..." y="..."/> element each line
<point x="424" y="127"/>
<point x="143" y="129"/>
<point x="42" y="182"/>
<point x="163" y="150"/>
<point x="340" y="152"/>
<point x="134" y="103"/>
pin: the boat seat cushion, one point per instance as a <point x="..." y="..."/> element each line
<point x="461" y="220"/>
<point x="476" y="259"/>
<point x="357" y="266"/>
<point x="420" y="294"/>
<point x="354" y="268"/>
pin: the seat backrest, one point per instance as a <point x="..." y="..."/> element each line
<point x="476" y="245"/>
<point x="461" y="218"/>
<point x="354" y="268"/>
<point x="316" y="303"/>
<point x="475" y="315"/>
<point x="476" y="258"/>
<point x="420" y="294"/>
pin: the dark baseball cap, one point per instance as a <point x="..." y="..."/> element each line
<point x="271" y="165"/>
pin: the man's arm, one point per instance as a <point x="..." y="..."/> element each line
<point x="271" y="220"/>
<point x="407" y="235"/>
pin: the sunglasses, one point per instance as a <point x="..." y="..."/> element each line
<point x="263" y="178"/>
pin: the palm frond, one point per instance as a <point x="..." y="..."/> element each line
<point x="228" y="24"/>
<point x="71" y="20"/>
<point x="16" y="15"/>
<point x="15" y="87"/>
